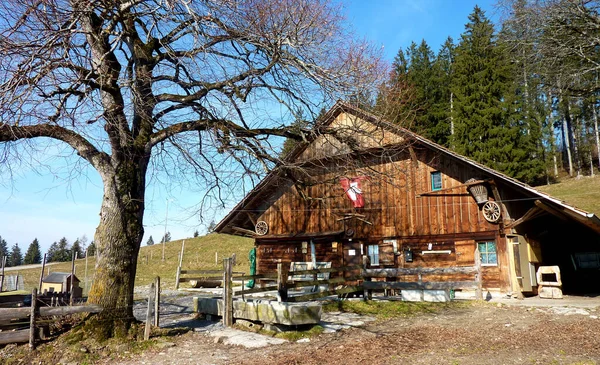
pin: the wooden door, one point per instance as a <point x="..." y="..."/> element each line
<point x="465" y="252"/>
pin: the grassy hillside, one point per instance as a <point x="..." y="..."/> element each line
<point x="584" y="193"/>
<point x="199" y="254"/>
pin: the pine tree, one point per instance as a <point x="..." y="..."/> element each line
<point x="196" y="233"/>
<point x="3" y="248"/>
<point x="33" y="254"/>
<point x="91" y="250"/>
<point x="396" y="100"/>
<point x="211" y="227"/>
<point x="77" y="249"/>
<point x="166" y="237"/>
<point x="16" y="257"/>
<point x="486" y="128"/>
<point x="150" y="241"/>
<point x="420" y="76"/>
<point x="442" y="100"/>
<point x="59" y="252"/>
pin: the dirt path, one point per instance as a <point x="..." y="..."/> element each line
<point x="478" y="334"/>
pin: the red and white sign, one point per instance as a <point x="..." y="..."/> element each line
<point x="353" y="190"/>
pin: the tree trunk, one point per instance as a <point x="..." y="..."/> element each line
<point x="567" y="144"/>
<point x="118" y="238"/>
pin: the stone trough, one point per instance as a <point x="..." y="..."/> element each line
<point x="264" y="311"/>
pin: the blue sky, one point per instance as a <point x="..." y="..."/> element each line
<point x="37" y="204"/>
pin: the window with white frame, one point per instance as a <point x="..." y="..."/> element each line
<point x="488" y="253"/>
<point x="373" y="252"/>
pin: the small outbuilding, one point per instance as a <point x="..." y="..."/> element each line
<point x="60" y="282"/>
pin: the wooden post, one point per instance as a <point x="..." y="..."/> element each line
<point x="72" y="286"/>
<point x="42" y="272"/>
<point x="177" y="278"/>
<point x="2" y="279"/>
<point x="478" y="276"/>
<point x="282" y="276"/>
<point x="227" y="293"/>
<point x="421" y="290"/>
<point x="157" y="301"/>
<point x="149" y="313"/>
<point x="32" y="319"/>
<point x="216" y="257"/>
<point x="367" y="294"/>
<point x="85" y="276"/>
<point x="181" y="254"/>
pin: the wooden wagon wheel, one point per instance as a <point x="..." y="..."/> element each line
<point x="491" y="211"/>
<point x="261" y="228"/>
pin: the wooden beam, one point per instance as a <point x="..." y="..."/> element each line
<point x="555" y="212"/>
<point x="243" y="230"/>
<point x="395" y="272"/>
<point x="400" y="285"/>
<point x="251" y="218"/>
<point x="439" y="192"/>
<point x="305" y="297"/>
<point x="529" y="215"/>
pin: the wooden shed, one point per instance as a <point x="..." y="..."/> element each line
<point x="367" y="187"/>
<point x="60" y="282"/>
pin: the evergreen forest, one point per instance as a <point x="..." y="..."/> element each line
<point x="520" y="96"/>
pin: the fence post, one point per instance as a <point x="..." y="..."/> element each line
<point x="149" y="313"/>
<point x="422" y="289"/>
<point x="227" y="293"/>
<point x="282" y="276"/>
<point x="177" y="278"/>
<point x="367" y="293"/>
<point x="3" y="259"/>
<point x="42" y="272"/>
<point x="157" y="302"/>
<point x="478" y="276"/>
<point x="72" y="287"/>
<point x="32" y="319"/>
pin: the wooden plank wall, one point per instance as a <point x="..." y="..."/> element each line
<point x="392" y="202"/>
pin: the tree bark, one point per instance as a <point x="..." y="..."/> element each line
<point x="118" y="238"/>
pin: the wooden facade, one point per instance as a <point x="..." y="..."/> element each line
<point x="406" y="221"/>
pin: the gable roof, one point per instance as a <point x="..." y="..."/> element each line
<point x="262" y="188"/>
<point x="58" y="277"/>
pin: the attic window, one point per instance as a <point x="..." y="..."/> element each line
<point x="436" y="180"/>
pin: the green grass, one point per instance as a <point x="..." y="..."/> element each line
<point x="199" y="255"/>
<point x="583" y="193"/>
<point x="386" y="310"/>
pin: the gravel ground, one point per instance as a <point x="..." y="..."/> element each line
<point x="484" y="333"/>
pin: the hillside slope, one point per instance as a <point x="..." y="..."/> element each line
<point x="583" y="193"/>
<point x="199" y="255"/>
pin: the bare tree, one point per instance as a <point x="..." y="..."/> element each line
<point x="148" y="88"/>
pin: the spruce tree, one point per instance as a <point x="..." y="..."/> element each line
<point x="485" y="128"/>
<point x="59" y="252"/>
<point x="33" y="254"/>
<point x="420" y="75"/>
<point x="3" y="248"/>
<point x="77" y="249"/>
<point x="442" y="100"/>
<point x="16" y="257"/>
<point x="150" y="241"/>
<point x="196" y="233"/>
<point x="91" y="250"/>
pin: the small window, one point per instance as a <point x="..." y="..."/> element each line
<point x="436" y="180"/>
<point x="487" y="253"/>
<point x="373" y="252"/>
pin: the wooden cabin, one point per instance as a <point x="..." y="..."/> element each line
<point x="60" y="282"/>
<point x="366" y="187"/>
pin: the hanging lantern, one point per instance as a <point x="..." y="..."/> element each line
<point x="479" y="191"/>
